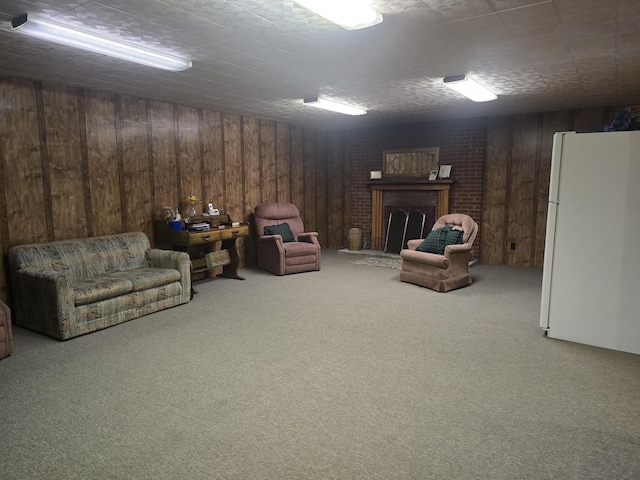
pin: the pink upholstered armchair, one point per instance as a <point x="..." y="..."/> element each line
<point x="6" y="337"/>
<point x="284" y="249"/>
<point x="441" y="272"/>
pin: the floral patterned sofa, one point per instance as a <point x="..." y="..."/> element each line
<point x="72" y="287"/>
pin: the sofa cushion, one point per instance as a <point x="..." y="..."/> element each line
<point x="280" y="229"/>
<point x="148" y="277"/>
<point x="90" y="290"/>
<point x="438" y="239"/>
<point x="84" y="257"/>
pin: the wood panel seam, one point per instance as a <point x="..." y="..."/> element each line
<point x="117" y="121"/>
<point x="152" y="175"/>
<point x="84" y="152"/>
<point x="45" y="161"/>
<point x="536" y="189"/>
<point x="507" y="193"/>
<point x="176" y="134"/>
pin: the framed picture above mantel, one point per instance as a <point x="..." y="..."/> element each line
<point x="410" y="163"/>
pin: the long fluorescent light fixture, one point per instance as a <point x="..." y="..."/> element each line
<point x="469" y="88"/>
<point x="76" y="37"/>
<point x="349" y="14"/>
<point x="333" y="106"/>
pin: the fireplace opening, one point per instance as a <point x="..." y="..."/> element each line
<point x="407" y="216"/>
<point x="429" y="197"/>
<point x="402" y="225"/>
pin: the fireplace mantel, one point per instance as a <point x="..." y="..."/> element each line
<point x="378" y="188"/>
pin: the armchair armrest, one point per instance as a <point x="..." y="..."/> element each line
<point x="44" y="301"/>
<point x="458" y="254"/>
<point x="271" y="241"/>
<point x="309" y="237"/>
<point x="456" y="249"/>
<point x="431" y="259"/>
<point x="413" y="244"/>
<point x="270" y="253"/>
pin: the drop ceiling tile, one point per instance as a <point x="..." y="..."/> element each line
<point x="542" y="46"/>
<point x="627" y="45"/>
<point x="259" y="57"/>
<point x="43" y="8"/>
<point x="404" y="7"/>
<point x="490" y="23"/>
<point x="188" y="29"/>
<point x="500" y="5"/>
<point x="218" y="51"/>
<point x="138" y="8"/>
<point x="460" y="9"/>
<point x="628" y="18"/>
<point x="535" y="13"/>
<point x="438" y="3"/>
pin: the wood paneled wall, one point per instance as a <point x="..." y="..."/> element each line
<point x="516" y="181"/>
<point x="77" y="163"/>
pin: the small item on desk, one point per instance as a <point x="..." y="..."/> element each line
<point x="235" y="224"/>
<point x="213" y="211"/>
<point x="199" y="227"/>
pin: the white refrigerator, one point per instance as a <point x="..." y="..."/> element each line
<point x="591" y="273"/>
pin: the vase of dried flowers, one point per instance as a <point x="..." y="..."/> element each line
<point x="192" y="200"/>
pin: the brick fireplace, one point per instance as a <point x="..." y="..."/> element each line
<point x="429" y="197"/>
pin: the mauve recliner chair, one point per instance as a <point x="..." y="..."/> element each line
<point x="276" y="253"/>
<point x="6" y="337"/>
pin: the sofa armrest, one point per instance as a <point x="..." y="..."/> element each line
<point x="43" y="301"/>
<point x="309" y="237"/>
<point x="425" y="258"/>
<point x="181" y="261"/>
<point x="158" y="258"/>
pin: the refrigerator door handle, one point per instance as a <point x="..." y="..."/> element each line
<point x="550" y="239"/>
<point x="548" y="264"/>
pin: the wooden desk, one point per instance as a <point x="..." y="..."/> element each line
<point x="198" y="244"/>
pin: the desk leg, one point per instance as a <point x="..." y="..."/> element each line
<point x="231" y="270"/>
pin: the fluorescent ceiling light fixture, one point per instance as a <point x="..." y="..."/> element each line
<point x="469" y="88"/>
<point x="59" y="33"/>
<point x="349" y="14"/>
<point x="333" y="106"/>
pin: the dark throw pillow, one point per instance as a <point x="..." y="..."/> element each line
<point x="438" y="239"/>
<point x="280" y="229"/>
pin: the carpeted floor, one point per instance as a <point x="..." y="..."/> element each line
<point x="346" y="373"/>
<point x="379" y="262"/>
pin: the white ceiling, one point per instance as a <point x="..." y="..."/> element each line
<point x="259" y="58"/>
